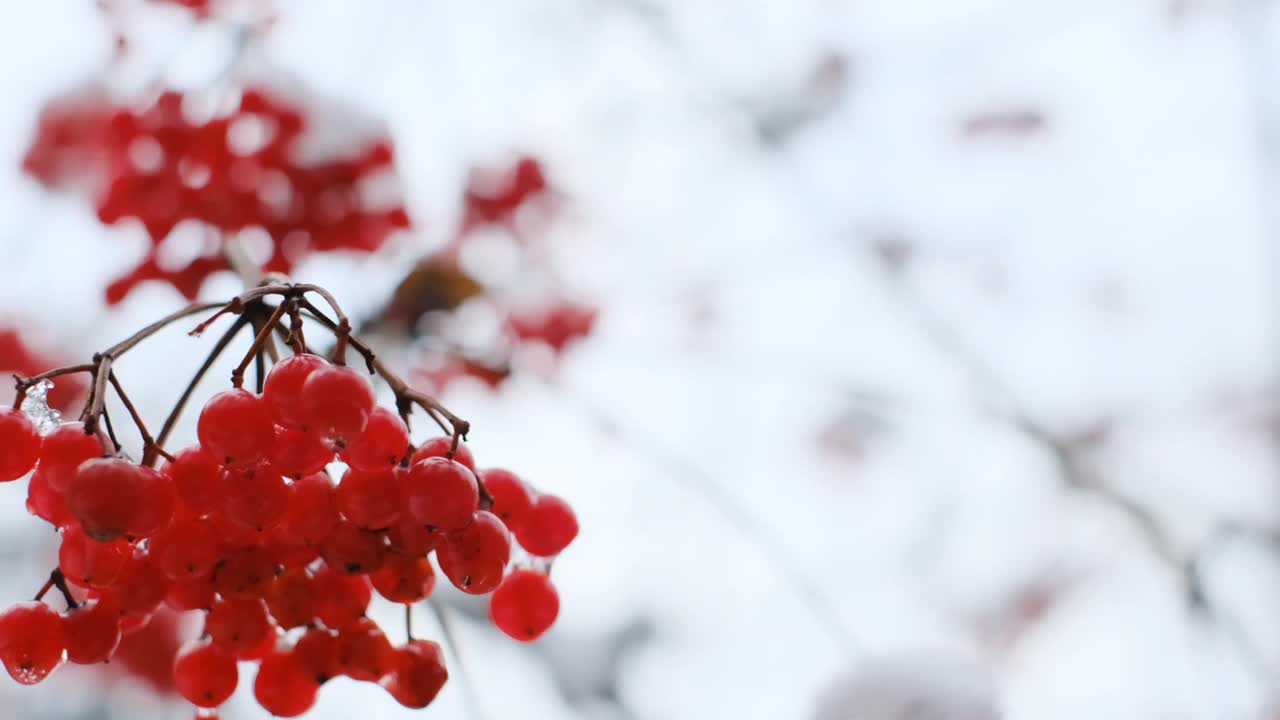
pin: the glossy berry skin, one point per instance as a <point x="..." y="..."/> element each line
<point x="383" y="443"/>
<point x="337" y="402"/>
<point x="159" y="500"/>
<point x="371" y="499"/>
<point x="92" y="630"/>
<point x="90" y="563"/>
<point x="64" y="449"/>
<point x="197" y="478"/>
<point x="549" y="527"/>
<point x="364" y="652"/>
<point x="142" y="587"/>
<point x="317" y="654"/>
<point x="512" y="499"/>
<point x="419" y="674"/>
<point x="294" y="599"/>
<point x="352" y="550"/>
<point x="46" y="502"/>
<point x="20" y="443"/>
<point x="257" y="497"/>
<point x="475" y="557"/>
<point x="235" y="427"/>
<point x="343" y="598"/>
<point x="404" y="578"/>
<point x="247" y="572"/>
<point x="283" y="388"/>
<point x="32" y="641"/>
<point x="441" y="493"/>
<point x="439" y="447"/>
<point x="525" y="606"/>
<point x="205" y="675"/>
<point x="106" y="495"/>
<point x="282" y="687"/>
<point x="239" y="626"/>
<point x="313" y="511"/>
<point x="298" y="454"/>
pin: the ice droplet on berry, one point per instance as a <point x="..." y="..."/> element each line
<point x="36" y="407"/>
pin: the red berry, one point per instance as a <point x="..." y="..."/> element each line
<point x="411" y="539"/>
<point x="282" y="687"/>
<point x="364" y="652"/>
<point x="198" y="479"/>
<point x="475" y="557"/>
<point x="235" y="427"/>
<point x="64" y="449"/>
<point x="549" y="527"/>
<point x="439" y="447"/>
<point x="525" y="605"/>
<point x="317" y="654"/>
<point x="419" y="674"/>
<point x="239" y="626"/>
<point x="159" y="498"/>
<point x="336" y="403"/>
<point x="297" y="453"/>
<point x="47" y="503"/>
<point x="205" y="675"/>
<point x="512" y="499"/>
<point x="247" y="572"/>
<point x="188" y="548"/>
<point x="441" y="493"/>
<point x="106" y="496"/>
<point x="371" y="499"/>
<point x="90" y="563"/>
<point x="20" y="443"/>
<point x="383" y="443"/>
<point x="92" y="630"/>
<point x="313" y="512"/>
<point x="343" y="598"/>
<point x="294" y="599"/>
<point x="404" y="578"/>
<point x="257" y="496"/>
<point x="352" y="550"/>
<point x="142" y="586"/>
<point x="191" y="594"/>
<point x="31" y="641"/>
<point x="283" y="388"/>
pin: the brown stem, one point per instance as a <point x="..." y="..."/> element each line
<point x="150" y="450"/>
<point x="98" y="393"/>
<point x="214" y="354"/>
<point x="237" y="375"/>
<point x="111" y="431"/>
<point x="58" y="580"/>
<point x="23" y="384"/>
<point x="128" y="343"/>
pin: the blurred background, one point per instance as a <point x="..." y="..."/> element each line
<point x="909" y="360"/>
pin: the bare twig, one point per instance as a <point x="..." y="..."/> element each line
<point x="217" y="350"/>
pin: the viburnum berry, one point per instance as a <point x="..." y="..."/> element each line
<point x="198" y="479"/>
<point x="246" y="572"/>
<point x="189" y="548"/>
<point x="383" y="443"/>
<point x="352" y="550"/>
<point x="364" y="652"/>
<point x="297" y="453"/>
<point x="294" y="599"/>
<point x="441" y="493"/>
<point x="512" y="499"/>
<point x="235" y="427"/>
<point x="549" y="527"/>
<point x="404" y="578"/>
<point x="283" y="388"/>
<point x="257" y="496"/>
<point x="282" y="687"/>
<point x="411" y="539"/>
<point x="64" y="449"/>
<point x="336" y="402"/>
<point x="419" y="674"/>
<point x="313" y="510"/>
<point x="106" y="496"/>
<point x="343" y="598"/>
<point x="475" y="557"/>
<point x="47" y="503"/>
<point x="317" y="654"/>
<point x="142" y="586"/>
<point x="90" y="563"/>
<point x="204" y="674"/>
<point x="525" y="605"/>
<point x="92" y="630"/>
<point x="32" y="641"/>
<point x="191" y="594"/>
<point x="159" y="498"/>
<point x="439" y="447"/>
<point x="371" y="499"/>
<point x="239" y="626"/>
<point x="20" y="443"/>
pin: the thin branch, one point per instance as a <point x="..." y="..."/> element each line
<point x="149" y="447"/>
<point x="237" y="375"/>
<point x="58" y="580"/>
<point x="23" y="384"/>
<point x="176" y="412"/>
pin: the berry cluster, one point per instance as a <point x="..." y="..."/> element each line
<point x="231" y="172"/>
<point x="250" y="527"/>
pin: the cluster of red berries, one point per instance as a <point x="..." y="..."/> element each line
<point x="231" y="172"/>
<point x="250" y="527"/>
